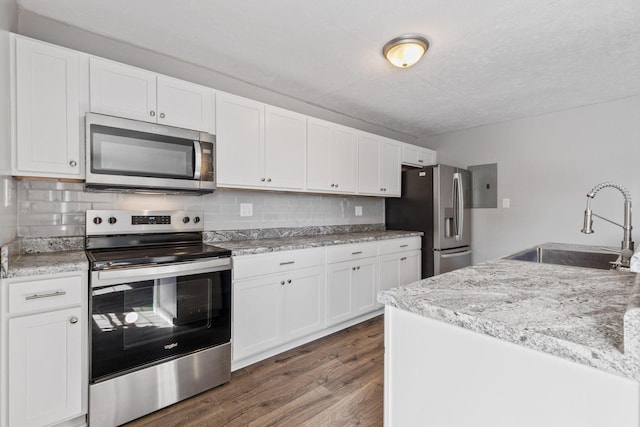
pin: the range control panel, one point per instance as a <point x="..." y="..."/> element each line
<point x="108" y="222"/>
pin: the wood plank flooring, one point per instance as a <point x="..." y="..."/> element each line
<point x="334" y="381"/>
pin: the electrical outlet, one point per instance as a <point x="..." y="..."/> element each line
<point x="246" y="209"/>
<point x="506" y="203"/>
<point x="358" y="210"/>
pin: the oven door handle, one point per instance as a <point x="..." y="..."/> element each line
<point x="146" y="273"/>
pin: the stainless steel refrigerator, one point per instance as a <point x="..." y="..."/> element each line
<point x="435" y="200"/>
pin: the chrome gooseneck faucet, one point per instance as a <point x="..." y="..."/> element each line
<point x="627" y="244"/>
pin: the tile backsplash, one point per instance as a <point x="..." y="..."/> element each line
<point x="53" y="208"/>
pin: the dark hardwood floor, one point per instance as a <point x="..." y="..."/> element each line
<point x="334" y="381"/>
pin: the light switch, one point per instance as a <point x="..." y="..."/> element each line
<point x="246" y="209"/>
<point x="506" y="203"/>
<point x="358" y="210"/>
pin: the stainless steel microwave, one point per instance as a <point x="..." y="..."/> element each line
<point x="129" y="155"/>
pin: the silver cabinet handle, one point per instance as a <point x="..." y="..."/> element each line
<point x="353" y="268"/>
<point x="336" y="185"/>
<point x="47" y="295"/>
<point x="162" y="115"/>
<point x="358" y="267"/>
<point x="404" y="258"/>
<point x="289" y="281"/>
<point x="73" y="163"/>
<point x="282" y="282"/>
<point x="268" y="179"/>
<point x="152" y="113"/>
<point x="356" y="253"/>
<point x="73" y="320"/>
<point x="263" y="179"/>
<point x="287" y="262"/>
<point x="333" y="185"/>
<point x="403" y="246"/>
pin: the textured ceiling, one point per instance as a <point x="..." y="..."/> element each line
<point x="489" y="61"/>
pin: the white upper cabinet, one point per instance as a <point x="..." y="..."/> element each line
<point x="414" y="155"/>
<point x="331" y="157"/>
<point x="121" y="90"/>
<point x="285" y="149"/>
<point x="259" y="146"/>
<point x="47" y="96"/>
<point x="378" y="166"/>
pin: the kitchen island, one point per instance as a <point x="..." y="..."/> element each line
<point x="507" y="343"/>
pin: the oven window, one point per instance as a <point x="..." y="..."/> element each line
<point x="138" y="323"/>
<point x="131" y="153"/>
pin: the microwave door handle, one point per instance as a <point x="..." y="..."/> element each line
<point x="197" y="151"/>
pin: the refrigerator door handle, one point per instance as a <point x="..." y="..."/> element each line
<point x="455" y="254"/>
<point x="458" y="205"/>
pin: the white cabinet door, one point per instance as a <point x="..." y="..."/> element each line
<point x="390" y="271"/>
<point x="331" y="157"/>
<point x="351" y="289"/>
<point x="285" y="149"/>
<point x="410" y="269"/>
<point x="122" y="90"/>
<point x="364" y="286"/>
<point x="369" y="165"/>
<point x="344" y="159"/>
<point x="390" y="168"/>
<point x="339" y="305"/>
<point x="240" y="141"/>
<point x="184" y="104"/>
<point x="48" y="119"/>
<point x="414" y="155"/>
<point x="257" y="316"/>
<point x="319" y="138"/>
<point x="304" y="295"/>
<point x="45" y="368"/>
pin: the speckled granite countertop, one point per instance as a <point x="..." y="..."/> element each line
<point x="24" y="265"/>
<point x="19" y="264"/>
<point x="258" y="246"/>
<point x="570" y="312"/>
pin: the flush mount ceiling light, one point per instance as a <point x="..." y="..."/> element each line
<point x="405" y="51"/>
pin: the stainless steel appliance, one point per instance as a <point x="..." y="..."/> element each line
<point x="128" y="155"/>
<point x="437" y="201"/>
<point x="160" y="312"/>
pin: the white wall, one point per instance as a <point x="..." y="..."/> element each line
<point x="8" y="22"/>
<point x="546" y="165"/>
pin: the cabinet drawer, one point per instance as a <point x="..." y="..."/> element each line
<point x="399" y="245"/>
<point x="43" y="295"/>
<point x="349" y="252"/>
<point x="276" y="262"/>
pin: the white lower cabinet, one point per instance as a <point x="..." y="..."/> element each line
<point x="351" y="289"/>
<point x="269" y="311"/>
<point x="45" y="381"/>
<point x="273" y="309"/>
<point x="284" y="299"/>
<point x="45" y="369"/>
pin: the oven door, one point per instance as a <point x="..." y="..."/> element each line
<point x="143" y="316"/>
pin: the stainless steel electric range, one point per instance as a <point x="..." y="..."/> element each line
<point x="160" y="305"/>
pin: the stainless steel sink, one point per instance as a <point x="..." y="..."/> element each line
<point x="601" y="260"/>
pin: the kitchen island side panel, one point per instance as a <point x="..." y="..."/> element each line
<point x="443" y="375"/>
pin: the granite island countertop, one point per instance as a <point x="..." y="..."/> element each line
<point x="570" y="312"/>
<point x="258" y="246"/>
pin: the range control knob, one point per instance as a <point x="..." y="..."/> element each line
<point x="112" y="220"/>
<point x="185" y="219"/>
<point x="97" y="220"/>
<point x="196" y="219"/>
